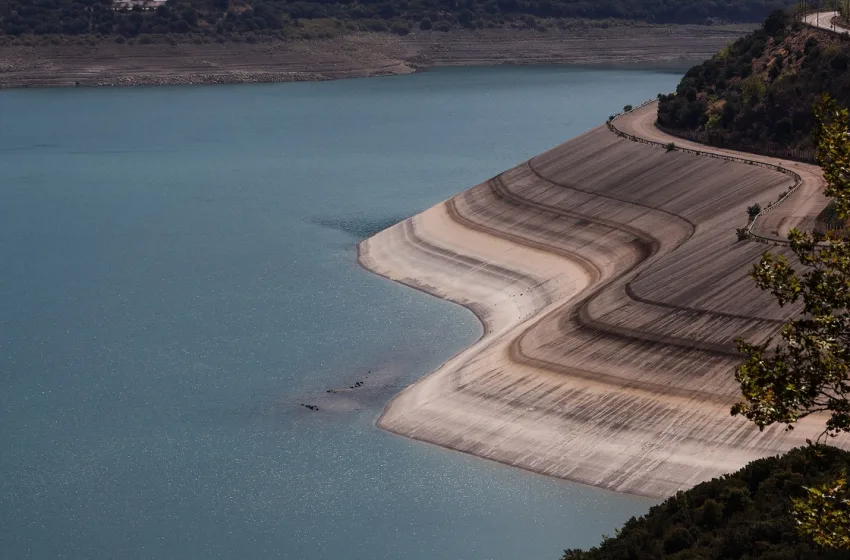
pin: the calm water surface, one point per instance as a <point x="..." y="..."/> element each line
<point x="178" y="276"/>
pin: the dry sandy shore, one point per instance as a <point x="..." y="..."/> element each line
<point x="798" y="211"/>
<point x="611" y="285"/>
<point x="355" y="55"/>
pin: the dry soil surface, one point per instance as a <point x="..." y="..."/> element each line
<point x="611" y="284"/>
<point x="797" y="211"/>
<point x="354" y="55"/>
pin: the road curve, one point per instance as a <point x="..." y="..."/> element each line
<point x="797" y="211"/>
<point x="824" y="20"/>
<point x="611" y="287"/>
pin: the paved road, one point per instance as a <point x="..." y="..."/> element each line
<point x="823" y="20"/>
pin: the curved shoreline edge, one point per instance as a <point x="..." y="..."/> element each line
<point x="610" y="285"/>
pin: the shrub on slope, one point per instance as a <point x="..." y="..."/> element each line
<point x="745" y="515"/>
<point x="761" y="88"/>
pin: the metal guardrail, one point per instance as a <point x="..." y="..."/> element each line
<point x="749" y="229"/>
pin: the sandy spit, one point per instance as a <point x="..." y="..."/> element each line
<point x="611" y="285"/>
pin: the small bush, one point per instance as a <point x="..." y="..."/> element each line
<point x="742" y="234"/>
<point x="677" y="540"/>
<point x="425" y="24"/>
<point x="120" y="40"/>
<point x="670" y="146"/>
<point x="377" y="25"/>
<point x="754" y="210"/>
<point x="400" y="29"/>
<point x="627" y="108"/>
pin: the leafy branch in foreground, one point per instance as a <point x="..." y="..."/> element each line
<point x="824" y="513"/>
<point x="807" y="371"/>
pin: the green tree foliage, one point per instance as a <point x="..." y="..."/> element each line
<point x="808" y="370"/>
<point x="761" y="88"/>
<point x="823" y="514"/>
<point x="77" y="17"/>
<point x="745" y="515"/>
<point x="843" y="8"/>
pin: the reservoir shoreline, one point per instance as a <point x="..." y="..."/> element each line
<point x="622" y="378"/>
<point x="209" y="234"/>
<point x="354" y="55"/>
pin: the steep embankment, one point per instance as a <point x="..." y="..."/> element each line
<point x="758" y="92"/>
<point x="799" y="210"/>
<point x="609" y="279"/>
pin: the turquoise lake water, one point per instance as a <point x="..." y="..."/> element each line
<point x="178" y="278"/>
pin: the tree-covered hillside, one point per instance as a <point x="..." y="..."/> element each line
<point x="761" y="88"/>
<point x="745" y="515"/>
<point x="105" y="17"/>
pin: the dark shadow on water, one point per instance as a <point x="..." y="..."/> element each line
<point x="359" y="226"/>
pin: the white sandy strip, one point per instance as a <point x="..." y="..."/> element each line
<point x="505" y="284"/>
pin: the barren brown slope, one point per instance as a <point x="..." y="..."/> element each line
<point x="799" y="210"/>
<point x="611" y="284"/>
<point x="351" y="55"/>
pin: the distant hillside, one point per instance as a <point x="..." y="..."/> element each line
<point x="130" y="18"/>
<point x="745" y="515"/>
<point x="761" y="88"/>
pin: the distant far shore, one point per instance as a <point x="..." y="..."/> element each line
<point x="350" y="56"/>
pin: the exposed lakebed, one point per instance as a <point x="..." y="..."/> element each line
<point x="179" y="279"/>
